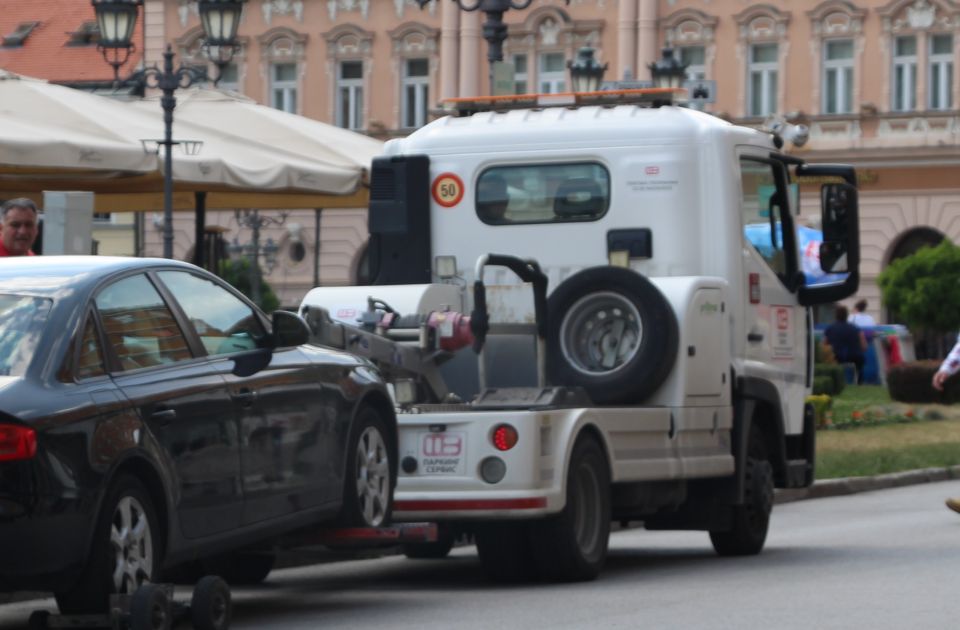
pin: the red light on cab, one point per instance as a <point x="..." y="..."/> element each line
<point x="17" y="442"/>
<point x="504" y="437"/>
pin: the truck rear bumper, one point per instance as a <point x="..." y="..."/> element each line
<point x="461" y="506"/>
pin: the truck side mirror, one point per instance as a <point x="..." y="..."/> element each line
<point x="838" y="206"/>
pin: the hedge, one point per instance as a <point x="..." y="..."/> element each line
<point x="912" y="383"/>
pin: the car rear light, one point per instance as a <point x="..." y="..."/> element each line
<point x="17" y="442"/>
<point x="504" y="437"/>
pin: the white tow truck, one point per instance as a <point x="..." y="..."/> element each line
<point x="642" y="354"/>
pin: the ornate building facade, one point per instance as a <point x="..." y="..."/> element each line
<point x="877" y="83"/>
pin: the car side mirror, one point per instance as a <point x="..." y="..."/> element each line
<point x="838" y="206"/>
<point x="289" y="329"/>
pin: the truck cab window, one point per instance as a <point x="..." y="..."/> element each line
<point x="764" y="209"/>
<point x="542" y="193"/>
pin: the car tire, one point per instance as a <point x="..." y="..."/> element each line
<point x="240" y="568"/>
<point x="612" y="332"/>
<point x="572" y="546"/>
<point x="504" y="551"/>
<point x="151" y="608"/>
<point x="371" y="473"/>
<point x="124" y="551"/>
<point x="210" y="607"/>
<point x="751" y="519"/>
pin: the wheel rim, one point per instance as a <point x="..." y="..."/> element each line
<point x="132" y="543"/>
<point x="601" y="333"/>
<point x="373" y="476"/>
<point x="586" y="510"/>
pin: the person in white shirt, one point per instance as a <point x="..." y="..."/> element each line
<point x="860" y="317"/>
<point x="949" y="367"/>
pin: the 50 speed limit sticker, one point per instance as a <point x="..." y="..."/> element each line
<point x="447" y="190"/>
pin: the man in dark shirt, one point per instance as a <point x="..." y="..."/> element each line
<point x="847" y="341"/>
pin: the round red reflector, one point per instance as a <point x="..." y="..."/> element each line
<point x="504" y="437"/>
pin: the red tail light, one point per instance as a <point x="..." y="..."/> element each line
<point x="17" y="442"/>
<point x="504" y="437"/>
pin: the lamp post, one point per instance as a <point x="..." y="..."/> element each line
<point x="117" y="20"/>
<point x="586" y="73"/>
<point x="252" y="219"/>
<point x="494" y="30"/>
<point x="668" y="71"/>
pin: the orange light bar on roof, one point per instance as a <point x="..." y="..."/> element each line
<point x="644" y="96"/>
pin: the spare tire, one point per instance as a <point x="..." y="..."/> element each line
<point x="612" y="332"/>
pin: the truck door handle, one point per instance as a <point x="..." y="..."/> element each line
<point x="245" y="397"/>
<point x="164" y="416"/>
<point x="755" y="337"/>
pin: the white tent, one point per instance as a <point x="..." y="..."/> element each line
<point x="251" y="156"/>
<point x="50" y="129"/>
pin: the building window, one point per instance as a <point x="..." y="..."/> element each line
<point x="520" y="74"/>
<point x="416" y="90"/>
<point x="905" y="74"/>
<point x="350" y="95"/>
<point x="552" y="73"/>
<point x="941" y="72"/>
<point x="838" y="76"/>
<point x="762" y="83"/>
<point x="283" y="87"/>
<point x="695" y="59"/>
<point x="230" y="78"/>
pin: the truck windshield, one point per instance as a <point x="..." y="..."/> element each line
<point x="22" y="319"/>
<point x="543" y="193"/>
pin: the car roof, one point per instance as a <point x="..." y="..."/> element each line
<point x="49" y="275"/>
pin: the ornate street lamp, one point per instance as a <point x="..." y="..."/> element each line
<point x="668" y="71"/>
<point x="494" y="30"/>
<point x="252" y="219"/>
<point x="586" y="73"/>
<point x="117" y="19"/>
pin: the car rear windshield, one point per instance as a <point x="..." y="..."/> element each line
<point x="22" y="319"/>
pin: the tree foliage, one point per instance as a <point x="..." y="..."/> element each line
<point x="237" y="273"/>
<point x="924" y="288"/>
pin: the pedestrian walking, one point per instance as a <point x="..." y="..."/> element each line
<point x="949" y="367"/>
<point x="847" y="341"/>
<point x="860" y="318"/>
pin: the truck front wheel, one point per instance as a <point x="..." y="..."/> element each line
<point x="752" y="518"/>
<point x="572" y="546"/>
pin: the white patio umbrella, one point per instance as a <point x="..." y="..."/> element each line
<point x="48" y="129"/>
<point x="247" y="145"/>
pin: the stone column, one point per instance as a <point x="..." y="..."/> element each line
<point x="470" y="43"/>
<point x="627" y="41"/>
<point x="647" y="38"/>
<point x="67" y="222"/>
<point x="449" y="49"/>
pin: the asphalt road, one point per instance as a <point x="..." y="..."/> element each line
<point x="882" y="559"/>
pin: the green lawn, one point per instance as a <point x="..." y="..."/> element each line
<point x="869" y="434"/>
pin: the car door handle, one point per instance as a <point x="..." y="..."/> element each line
<point x="755" y="337"/>
<point x="164" y="416"/>
<point x="244" y="397"/>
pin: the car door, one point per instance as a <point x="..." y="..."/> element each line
<point x="182" y="400"/>
<point x="776" y="325"/>
<point x="284" y="441"/>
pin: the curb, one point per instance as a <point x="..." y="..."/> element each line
<point x="853" y="485"/>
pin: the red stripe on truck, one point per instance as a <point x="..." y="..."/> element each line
<point x="470" y="504"/>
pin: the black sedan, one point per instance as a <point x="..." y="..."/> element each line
<point x="152" y="417"/>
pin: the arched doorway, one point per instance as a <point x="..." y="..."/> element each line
<point x="928" y="346"/>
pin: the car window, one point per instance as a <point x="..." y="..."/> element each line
<point x="22" y="319"/>
<point x="90" y="362"/>
<point x="224" y="323"/>
<point x="542" y="193"/>
<point x="140" y="326"/>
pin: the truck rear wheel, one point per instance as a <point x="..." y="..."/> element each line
<point x="611" y="332"/>
<point x="572" y="546"/>
<point x="751" y="519"/>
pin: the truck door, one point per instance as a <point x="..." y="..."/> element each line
<point x="775" y="324"/>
